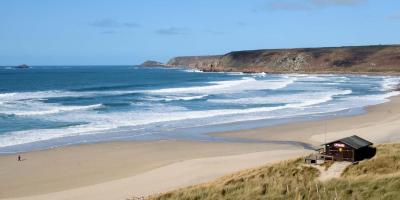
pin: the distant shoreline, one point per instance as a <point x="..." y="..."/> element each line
<point x="297" y="72"/>
<point x="165" y="66"/>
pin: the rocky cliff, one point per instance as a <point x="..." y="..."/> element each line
<point x="197" y="62"/>
<point x="355" y="59"/>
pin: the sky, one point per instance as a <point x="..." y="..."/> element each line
<point x="127" y="32"/>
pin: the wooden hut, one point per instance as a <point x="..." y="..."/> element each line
<point x="351" y="149"/>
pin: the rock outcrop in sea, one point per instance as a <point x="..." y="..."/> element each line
<point x="23" y="66"/>
<point x="151" y="63"/>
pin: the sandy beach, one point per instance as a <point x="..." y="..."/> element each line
<point x="118" y="170"/>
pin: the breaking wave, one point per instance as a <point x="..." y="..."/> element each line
<point x="37" y="108"/>
<point x="243" y="84"/>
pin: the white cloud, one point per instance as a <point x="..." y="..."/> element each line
<point x="173" y="31"/>
<point x="112" y="23"/>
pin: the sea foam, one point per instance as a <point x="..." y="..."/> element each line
<point x="243" y="84"/>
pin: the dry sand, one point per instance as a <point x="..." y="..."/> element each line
<point x="170" y="177"/>
<point x="122" y="169"/>
<point x="82" y="165"/>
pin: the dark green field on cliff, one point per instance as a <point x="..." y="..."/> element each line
<point x="377" y="178"/>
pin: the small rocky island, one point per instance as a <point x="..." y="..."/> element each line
<point x="23" y="66"/>
<point x="152" y="63"/>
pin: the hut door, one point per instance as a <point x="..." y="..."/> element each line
<point x="348" y="155"/>
<point x="339" y="155"/>
<point x="344" y="154"/>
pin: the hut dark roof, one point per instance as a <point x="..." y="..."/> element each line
<point x="354" y="141"/>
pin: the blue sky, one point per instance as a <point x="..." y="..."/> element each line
<point x="90" y="32"/>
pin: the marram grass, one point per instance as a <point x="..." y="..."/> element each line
<point x="377" y="178"/>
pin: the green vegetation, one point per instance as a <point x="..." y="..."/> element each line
<point x="377" y="178"/>
<point x="386" y="161"/>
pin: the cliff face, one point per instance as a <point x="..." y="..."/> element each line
<point x="357" y="59"/>
<point x="196" y="62"/>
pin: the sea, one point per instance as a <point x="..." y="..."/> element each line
<point x="50" y="106"/>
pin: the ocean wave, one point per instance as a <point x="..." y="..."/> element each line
<point x="17" y="96"/>
<point x="353" y="102"/>
<point x="235" y="73"/>
<point x="44" y="95"/>
<point x="221" y="112"/>
<point x="231" y="86"/>
<point x="192" y="70"/>
<point x="214" y="86"/>
<point x="377" y="98"/>
<point x="243" y="84"/>
<point x="262" y="74"/>
<point x="174" y="98"/>
<point x="98" y="123"/>
<point x="38" y="108"/>
<point x="102" y="124"/>
<point x="391" y="83"/>
<point x="7" y="95"/>
<point x="35" y="135"/>
<point x="314" y="78"/>
<point x="283" y="98"/>
<point x="184" y="98"/>
<point x="102" y="88"/>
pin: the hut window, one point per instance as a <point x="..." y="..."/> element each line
<point x="338" y="145"/>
